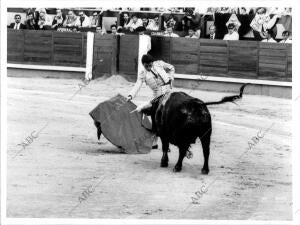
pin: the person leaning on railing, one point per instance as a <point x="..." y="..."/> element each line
<point x="58" y="19"/>
<point x="82" y="20"/>
<point x="71" y="19"/>
<point x="44" y="20"/>
<point x="232" y="34"/>
<point x="17" y="25"/>
<point x="287" y="38"/>
<point x="30" y="22"/>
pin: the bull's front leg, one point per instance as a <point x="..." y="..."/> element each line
<point x="165" y="148"/>
<point x="182" y="154"/>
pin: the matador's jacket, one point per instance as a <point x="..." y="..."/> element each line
<point x="158" y="79"/>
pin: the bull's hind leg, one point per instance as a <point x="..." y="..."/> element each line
<point x="165" y="148"/>
<point x="182" y="154"/>
<point x="205" y="141"/>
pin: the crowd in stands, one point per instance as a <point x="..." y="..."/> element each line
<point x="261" y="24"/>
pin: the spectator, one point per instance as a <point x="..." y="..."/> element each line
<point x="192" y="34"/>
<point x="30" y="22"/>
<point x="70" y="20"/>
<point x="192" y="19"/>
<point x="212" y="33"/>
<point x="82" y="20"/>
<point x="44" y="20"/>
<point x="261" y="23"/>
<point x="95" y="20"/>
<point x="234" y="20"/>
<point x="232" y="35"/>
<point x="243" y="11"/>
<point x="100" y="30"/>
<point x="115" y="31"/>
<point x="153" y="24"/>
<point x="145" y="22"/>
<point x="125" y="20"/>
<point x="269" y="36"/>
<point x="286" y="35"/>
<point x="58" y="20"/>
<point x="170" y="33"/>
<point x="17" y="25"/>
<point x="134" y="23"/>
<point x="171" y="22"/>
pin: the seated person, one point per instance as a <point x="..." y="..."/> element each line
<point x="44" y="20"/>
<point x="171" y="22"/>
<point x="17" y="25"/>
<point x="82" y="20"/>
<point x="269" y="36"/>
<point x="145" y="22"/>
<point x="192" y="19"/>
<point x="134" y="23"/>
<point x="192" y="34"/>
<point x="100" y="30"/>
<point x="58" y="20"/>
<point x="212" y="33"/>
<point x="30" y="22"/>
<point x="125" y="20"/>
<point x="232" y="35"/>
<point x="286" y="35"/>
<point x="153" y="24"/>
<point x="70" y="20"/>
<point x="169" y="32"/>
<point x="115" y="31"/>
<point x="94" y="19"/>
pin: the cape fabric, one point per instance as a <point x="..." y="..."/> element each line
<point x="129" y="131"/>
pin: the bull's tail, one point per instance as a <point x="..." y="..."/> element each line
<point x="232" y="98"/>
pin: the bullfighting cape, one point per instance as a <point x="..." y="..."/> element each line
<point x="122" y="127"/>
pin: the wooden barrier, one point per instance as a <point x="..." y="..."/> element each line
<point x="241" y="59"/>
<point x="105" y="55"/>
<point x="46" y="47"/>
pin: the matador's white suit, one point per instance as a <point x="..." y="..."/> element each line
<point x="159" y="79"/>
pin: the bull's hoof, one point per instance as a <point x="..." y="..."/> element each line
<point x="205" y="171"/>
<point x="164" y="164"/>
<point x="177" y="169"/>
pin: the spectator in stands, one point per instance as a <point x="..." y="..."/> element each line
<point x="232" y="35"/>
<point x="82" y="20"/>
<point x="191" y="33"/>
<point x="259" y="24"/>
<point x="269" y="36"/>
<point x="17" y="25"/>
<point x="71" y="20"/>
<point x="192" y="19"/>
<point x="95" y="20"/>
<point x="153" y="24"/>
<point x="171" y="22"/>
<point x="134" y="23"/>
<point x="58" y="19"/>
<point x="170" y="33"/>
<point x="243" y="11"/>
<point x="30" y="22"/>
<point x="115" y="31"/>
<point x="100" y="30"/>
<point x="212" y="33"/>
<point x="44" y="21"/>
<point x="234" y="20"/>
<point x="145" y="22"/>
<point x="125" y="20"/>
<point x="286" y="35"/>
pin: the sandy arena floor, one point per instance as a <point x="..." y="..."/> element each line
<point x="48" y="178"/>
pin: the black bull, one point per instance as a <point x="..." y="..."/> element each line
<point x="180" y="119"/>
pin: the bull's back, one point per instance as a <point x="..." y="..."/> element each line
<point x="183" y="116"/>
